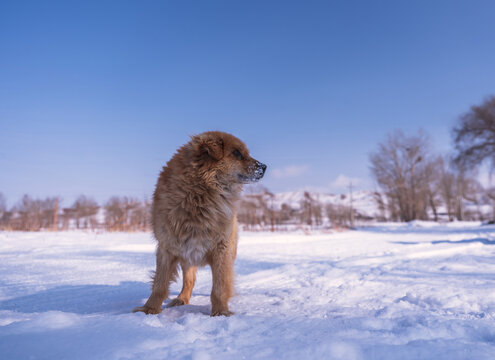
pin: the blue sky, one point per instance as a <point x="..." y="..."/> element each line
<point x="96" y="96"/>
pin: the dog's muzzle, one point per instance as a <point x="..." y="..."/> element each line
<point x="256" y="171"/>
<point x="259" y="171"/>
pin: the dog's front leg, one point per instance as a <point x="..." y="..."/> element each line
<point x="222" y="269"/>
<point x="188" y="280"/>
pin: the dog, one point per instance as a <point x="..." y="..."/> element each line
<point x="194" y="218"/>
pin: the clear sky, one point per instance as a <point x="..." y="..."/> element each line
<point x="95" y="96"/>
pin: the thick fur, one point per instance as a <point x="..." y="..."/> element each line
<point x="194" y="218"/>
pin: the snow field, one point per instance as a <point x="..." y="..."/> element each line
<point x="394" y="291"/>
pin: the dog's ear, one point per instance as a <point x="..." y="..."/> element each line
<point x="208" y="146"/>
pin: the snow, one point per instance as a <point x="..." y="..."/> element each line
<point x="393" y="291"/>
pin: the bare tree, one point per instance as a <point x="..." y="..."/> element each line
<point x="447" y="187"/>
<point x="3" y="212"/>
<point x="286" y="213"/>
<point x="246" y="213"/>
<point x="339" y="215"/>
<point x="84" y="212"/>
<point x="138" y="214"/>
<point x="318" y="213"/>
<point x="381" y="205"/>
<point x="432" y="174"/>
<point x="257" y="209"/>
<point x="474" y="135"/>
<point x="114" y="214"/>
<point x="253" y="210"/>
<point x="458" y="188"/>
<point x="126" y="214"/>
<point x="48" y="208"/>
<point x="143" y="216"/>
<point x="307" y="208"/>
<point x="29" y="214"/>
<point x="473" y="192"/>
<point x="270" y="212"/>
<point x="3" y="203"/>
<point x="403" y="168"/>
<point x="490" y="194"/>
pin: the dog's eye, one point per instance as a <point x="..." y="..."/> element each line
<point x="238" y="154"/>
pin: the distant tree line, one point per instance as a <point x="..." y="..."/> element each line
<point x="117" y="214"/>
<point x="416" y="183"/>
<point x="256" y="211"/>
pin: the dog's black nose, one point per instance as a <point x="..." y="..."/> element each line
<point x="259" y="170"/>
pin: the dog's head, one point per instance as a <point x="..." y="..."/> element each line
<point x="226" y="158"/>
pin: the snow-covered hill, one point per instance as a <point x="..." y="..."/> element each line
<point x="395" y="291"/>
<point x="362" y="201"/>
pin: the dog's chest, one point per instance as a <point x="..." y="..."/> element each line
<point x="194" y="250"/>
<point x="207" y="222"/>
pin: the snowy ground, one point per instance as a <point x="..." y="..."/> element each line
<point x="417" y="291"/>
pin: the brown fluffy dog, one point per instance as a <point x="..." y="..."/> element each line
<point x="194" y="218"/>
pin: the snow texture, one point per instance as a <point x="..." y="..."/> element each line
<point x="414" y="291"/>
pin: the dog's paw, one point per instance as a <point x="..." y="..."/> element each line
<point x="147" y="310"/>
<point x="176" y="302"/>
<point x="221" y="313"/>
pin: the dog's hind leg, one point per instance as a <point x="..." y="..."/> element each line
<point x="166" y="272"/>
<point x="188" y="280"/>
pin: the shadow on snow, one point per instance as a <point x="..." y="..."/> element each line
<point x="110" y="299"/>
<point x="82" y="299"/>
<point x="483" y="241"/>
